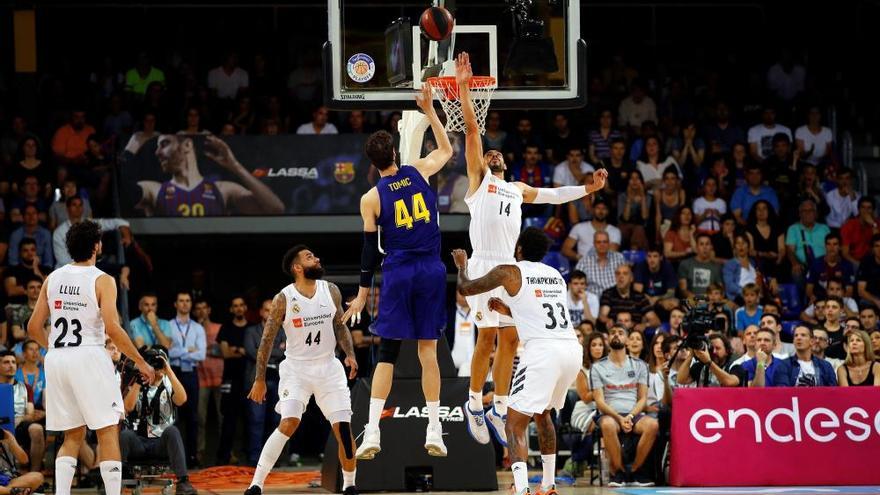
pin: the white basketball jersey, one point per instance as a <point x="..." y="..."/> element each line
<point x="540" y="308"/>
<point x="308" y="323"/>
<point x="74" y="315"/>
<point x="496" y="217"/>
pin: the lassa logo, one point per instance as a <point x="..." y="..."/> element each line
<point x="446" y="413"/>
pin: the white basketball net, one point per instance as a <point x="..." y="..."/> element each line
<point x="446" y="90"/>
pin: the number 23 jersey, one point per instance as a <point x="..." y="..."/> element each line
<point x="74" y="315"/>
<point x="540" y="308"/>
<point x="308" y="323"/>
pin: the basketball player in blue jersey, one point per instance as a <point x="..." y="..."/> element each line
<point x="495" y="206"/>
<point x="412" y="303"/>
<point x="188" y="194"/>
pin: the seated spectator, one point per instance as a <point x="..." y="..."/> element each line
<point x="820" y="345"/>
<point x="148" y="329"/>
<point x="117" y="122"/>
<point x="861" y="367"/>
<point x="835" y="327"/>
<point x="723" y="242"/>
<point x="636" y="108"/>
<point x="618" y="167"/>
<point x="679" y="243"/>
<point x="601" y="139"/>
<point x="653" y="165"/>
<point x="830" y="267"/>
<point x="635" y="346"/>
<point x="19" y="314"/>
<point x="620" y="389"/>
<point x="750" y="313"/>
<point x="722" y="131"/>
<point x="688" y="150"/>
<point x="695" y="274"/>
<point x="584" y="410"/>
<point x="623" y="298"/>
<point x="69" y="142"/>
<point x="875" y="339"/>
<point x="153" y="432"/>
<point x="30" y="163"/>
<point x="833" y="289"/>
<point x="560" y="140"/>
<point x="494" y="137"/>
<point x="709" y="208"/>
<point x="805" y="369"/>
<point x="146" y="132"/>
<point x="814" y="141"/>
<point x="868" y="276"/>
<point x="761" y="135"/>
<point x="766" y="369"/>
<point x="725" y="178"/>
<point x="30" y="189"/>
<point x="741" y="270"/>
<point x="856" y="233"/>
<point x="11" y="479"/>
<point x="667" y="202"/>
<point x="712" y="367"/>
<point x="809" y="186"/>
<point x="319" y="123"/>
<point x="582" y="305"/>
<point x="770" y="319"/>
<point x="31" y="229"/>
<point x="805" y="241"/>
<point x="28" y="268"/>
<point x="571" y="171"/>
<point x="750" y="343"/>
<point x="600" y="264"/>
<point x="75" y="214"/>
<point x="534" y="172"/>
<point x="754" y="190"/>
<point x="31" y="373"/>
<point x="842" y="200"/>
<point x="58" y="210"/>
<point x="515" y="145"/>
<point x="780" y="168"/>
<point x="29" y="433"/>
<point x="193" y="123"/>
<point x="634" y="207"/>
<point x="766" y="237"/>
<point x="673" y="326"/>
<point x="868" y="316"/>
<point x="228" y="81"/>
<point x="786" y="78"/>
<point x="244" y="118"/>
<point x="582" y="235"/>
<point x="655" y="278"/>
<point x="357" y="123"/>
<point x="659" y="390"/>
<point x="138" y="78"/>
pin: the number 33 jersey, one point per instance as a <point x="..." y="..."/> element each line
<point x="308" y="323"/>
<point x="74" y="315"/>
<point x="496" y="217"/>
<point x="539" y="309"/>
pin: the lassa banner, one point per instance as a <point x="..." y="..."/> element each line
<point x="776" y="436"/>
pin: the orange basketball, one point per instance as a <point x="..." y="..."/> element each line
<point x="436" y="23"/>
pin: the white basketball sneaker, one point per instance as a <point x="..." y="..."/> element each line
<point x="369" y="447"/>
<point x="434" y="441"/>
<point x="476" y="423"/>
<point x="496" y="423"/>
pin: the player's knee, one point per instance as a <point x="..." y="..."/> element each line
<point x="287" y="426"/>
<point x="389" y="350"/>
<point x="508" y="339"/>
<point x="35" y="430"/>
<point x="486" y="338"/>
<point x="345" y="437"/>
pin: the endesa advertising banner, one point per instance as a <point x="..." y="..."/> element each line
<point x="776" y="436"/>
<point x="175" y="175"/>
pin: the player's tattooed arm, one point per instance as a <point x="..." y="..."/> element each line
<point x="343" y="335"/>
<point x="506" y="276"/>
<point x="270" y="330"/>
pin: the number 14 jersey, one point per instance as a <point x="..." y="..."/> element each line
<point x="539" y="308"/>
<point x="308" y="323"/>
<point x="496" y="217"/>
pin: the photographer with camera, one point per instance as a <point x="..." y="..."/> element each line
<point x="712" y="365"/>
<point x="152" y="412"/>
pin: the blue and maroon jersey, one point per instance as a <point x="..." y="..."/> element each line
<point x="409" y="220"/>
<point x="204" y="200"/>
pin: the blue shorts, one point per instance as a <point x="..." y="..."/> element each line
<point x="412" y="301"/>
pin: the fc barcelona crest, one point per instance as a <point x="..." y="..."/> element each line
<point x="344" y="172"/>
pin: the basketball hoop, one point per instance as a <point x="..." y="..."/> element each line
<point x="446" y="90"/>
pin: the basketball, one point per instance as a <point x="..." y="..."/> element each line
<point x="436" y="23"/>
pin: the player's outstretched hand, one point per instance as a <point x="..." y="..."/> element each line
<point x="258" y="391"/>
<point x="147" y="371"/>
<point x="460" y="258"/>
<point x="216" y="149"/>
<point x="352" y="365"/>
<point x="599" y="178"/>
<point x="353" y="313"/>
<point x="498" y="306"/>
<point x="425" y="99"/>
<point x="463" y="71"/>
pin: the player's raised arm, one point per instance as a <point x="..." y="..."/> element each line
<point x="473" y="149"/>
<point x="507" y="276"/>
<point x="562" y="195"/>
<point x="370" y="255"/>
<point x="105" y="290"/>
<point x="270" y="330"/>
<point x="436" y="159"/>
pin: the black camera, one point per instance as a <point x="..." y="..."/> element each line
<point x="154" y="357"/>
<point x="698" y="321"/>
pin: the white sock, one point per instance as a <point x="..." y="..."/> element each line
<point x="475" y="401"/>
<point x="348" y="478"/>
<point x="269" y="456"/>
<point x="500" y="404"/>
<point x="376" y="407"/>
<point x="65" y="470"/>
<point x="111" y="473"/>
<point x="520" y="476"/>
<point x="433" y="413"/>
<point x="549" y="462"/>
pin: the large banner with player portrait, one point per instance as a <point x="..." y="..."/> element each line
<point x="201" y="176"/>
<point x="804" y="436"/>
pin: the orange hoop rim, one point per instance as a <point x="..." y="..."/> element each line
<point x="450" y="87"/>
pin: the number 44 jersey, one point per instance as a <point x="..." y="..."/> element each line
<point x="308" y="323"/>
<point x="539" y="308"/>
<point x="73" y="307"/>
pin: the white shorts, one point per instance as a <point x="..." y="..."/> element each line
<point x="323" y="378"/>
<point x="479" y="304"/>
<point x="547" y="369"/>
<point x="81" y="389"/>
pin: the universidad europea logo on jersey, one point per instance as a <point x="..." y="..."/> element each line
<point x="343" y="172"/>
<point x="493" y="188"/>
<point x="297" y="322"/>
<point x="58" y="304"/>
<point x="538" y="293"/>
